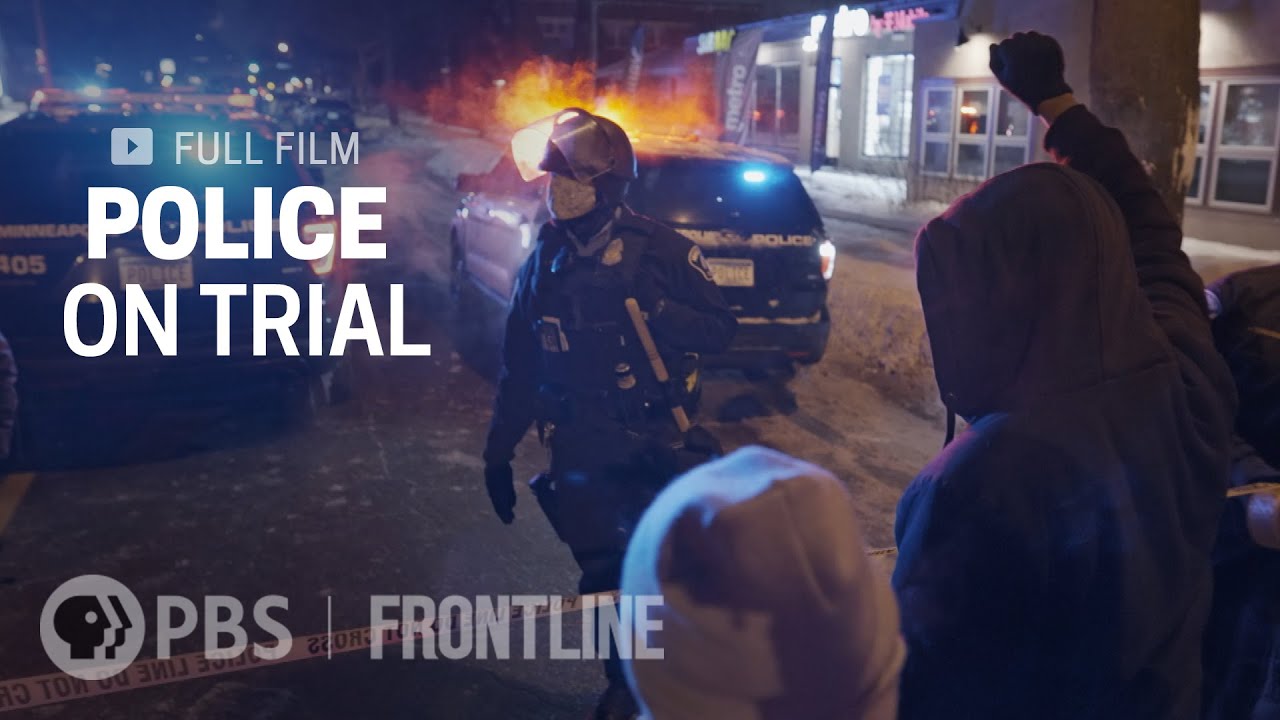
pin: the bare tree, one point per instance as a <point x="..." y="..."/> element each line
<point x="1144" y="78"/>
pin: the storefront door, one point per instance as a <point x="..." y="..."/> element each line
<point x="776" y="121"/>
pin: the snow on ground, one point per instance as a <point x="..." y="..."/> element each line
<point x="862" y="197"/>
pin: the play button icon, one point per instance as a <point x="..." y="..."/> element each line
<point x="131" y="146"/>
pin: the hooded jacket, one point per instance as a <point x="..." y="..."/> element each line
<point x="1055" y="559"/>
<point x="770" y="608"/>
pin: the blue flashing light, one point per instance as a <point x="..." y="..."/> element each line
<point x="754" y="176"/>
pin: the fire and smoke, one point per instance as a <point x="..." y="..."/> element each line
<point x="542" y="87"/>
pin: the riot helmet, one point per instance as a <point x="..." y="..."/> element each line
<point x="589" y="157"/>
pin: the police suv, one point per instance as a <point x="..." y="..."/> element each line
<point x="51" y="162"/>
<point x="746" y="209"/>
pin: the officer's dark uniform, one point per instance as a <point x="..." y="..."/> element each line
<point x="573" y="361"/>
<point x="569" y="359"/>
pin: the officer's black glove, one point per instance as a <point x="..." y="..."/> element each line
<point x="649" y="296"/>
<point x="1030" y="66"/>
<point x="498" y="480"/>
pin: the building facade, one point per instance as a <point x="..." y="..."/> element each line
<point x="870" y="94"/>
<point x="1232" y="196"/>
<point x="911" y="96"/>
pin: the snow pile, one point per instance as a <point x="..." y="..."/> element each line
<point x="872" y="199"/>
<point x="1197" y="248"/>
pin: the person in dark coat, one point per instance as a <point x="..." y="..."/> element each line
<point x="1055" y="558"/>
<point x="573" y="362"/>
<point x="8" y="399"/>
<point x="1242" y="643"/>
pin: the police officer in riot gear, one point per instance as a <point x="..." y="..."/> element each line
<point x="573" y="362"/>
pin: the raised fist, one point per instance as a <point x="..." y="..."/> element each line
<point x="1031" y="67"/>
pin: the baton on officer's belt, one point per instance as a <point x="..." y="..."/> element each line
<point x="655" y="360"/>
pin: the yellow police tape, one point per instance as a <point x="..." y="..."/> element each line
<point x="54" y="688"/>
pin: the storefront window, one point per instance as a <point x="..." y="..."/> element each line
<point x="887" y="124"/>
<point x="789" y="104"/>
<point x="1012" y="139"/>
<point x="937" y="118"/>
<point x="766" y="113"/>
<point x="971" y="160"/>
<point x="835" y="114"/>
<point x="1237" y="144"/>
<point x="937" y="157"/>
<point x="776" y="120"/>
<point x="1014" y="118"/>
<point x="938" y="130"/>
<point x="1195" y="190"/>
<point x="1242" y="181"/>
<point x="1206" y="113"/>
<point x="1249" y="115"/>
<point x="974" y="108"/>
<point x="989" y="131"/>
<point x="1007" y="158"/>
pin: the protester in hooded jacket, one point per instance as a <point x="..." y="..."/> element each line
<point x="770" y="608"/>
<point x="1055" y="558"/>
<point x="8" y="398"/>
<point x="1242" y="642"/>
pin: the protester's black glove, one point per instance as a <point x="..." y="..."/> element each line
<point x="1030" y="66"/>
<point x="498" y="480"/>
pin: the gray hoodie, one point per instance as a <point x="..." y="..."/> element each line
<point x="771" y="609"/>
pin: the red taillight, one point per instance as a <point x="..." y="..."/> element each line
<point x="309" y="231"/>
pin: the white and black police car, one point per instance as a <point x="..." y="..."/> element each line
<point x="746" y="209"/>
<point x="51" y="161"/>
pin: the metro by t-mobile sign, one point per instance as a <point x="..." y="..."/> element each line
<point x="738" y="84"/>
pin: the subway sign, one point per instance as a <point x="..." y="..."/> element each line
<point x="716" y="41"/>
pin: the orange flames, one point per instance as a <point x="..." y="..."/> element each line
<point x="541" y="87"/>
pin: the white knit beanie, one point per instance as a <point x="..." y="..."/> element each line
<point x="771" y="610"/>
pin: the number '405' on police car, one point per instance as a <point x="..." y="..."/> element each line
<point x="758" y="229"/>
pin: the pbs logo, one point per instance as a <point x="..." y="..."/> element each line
<point x="92" y="627"/>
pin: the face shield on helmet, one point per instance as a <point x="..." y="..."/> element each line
<point x="589" y="157"/>
<point x="574" y="143"/>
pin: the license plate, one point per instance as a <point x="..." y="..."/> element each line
<point x="732" y="272"/>
<point x="153" y="274"/>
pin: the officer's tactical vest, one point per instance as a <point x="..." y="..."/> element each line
<point x="582" y="326"/>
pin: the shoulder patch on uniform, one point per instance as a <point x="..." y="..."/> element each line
<point x="699" y="263"/>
